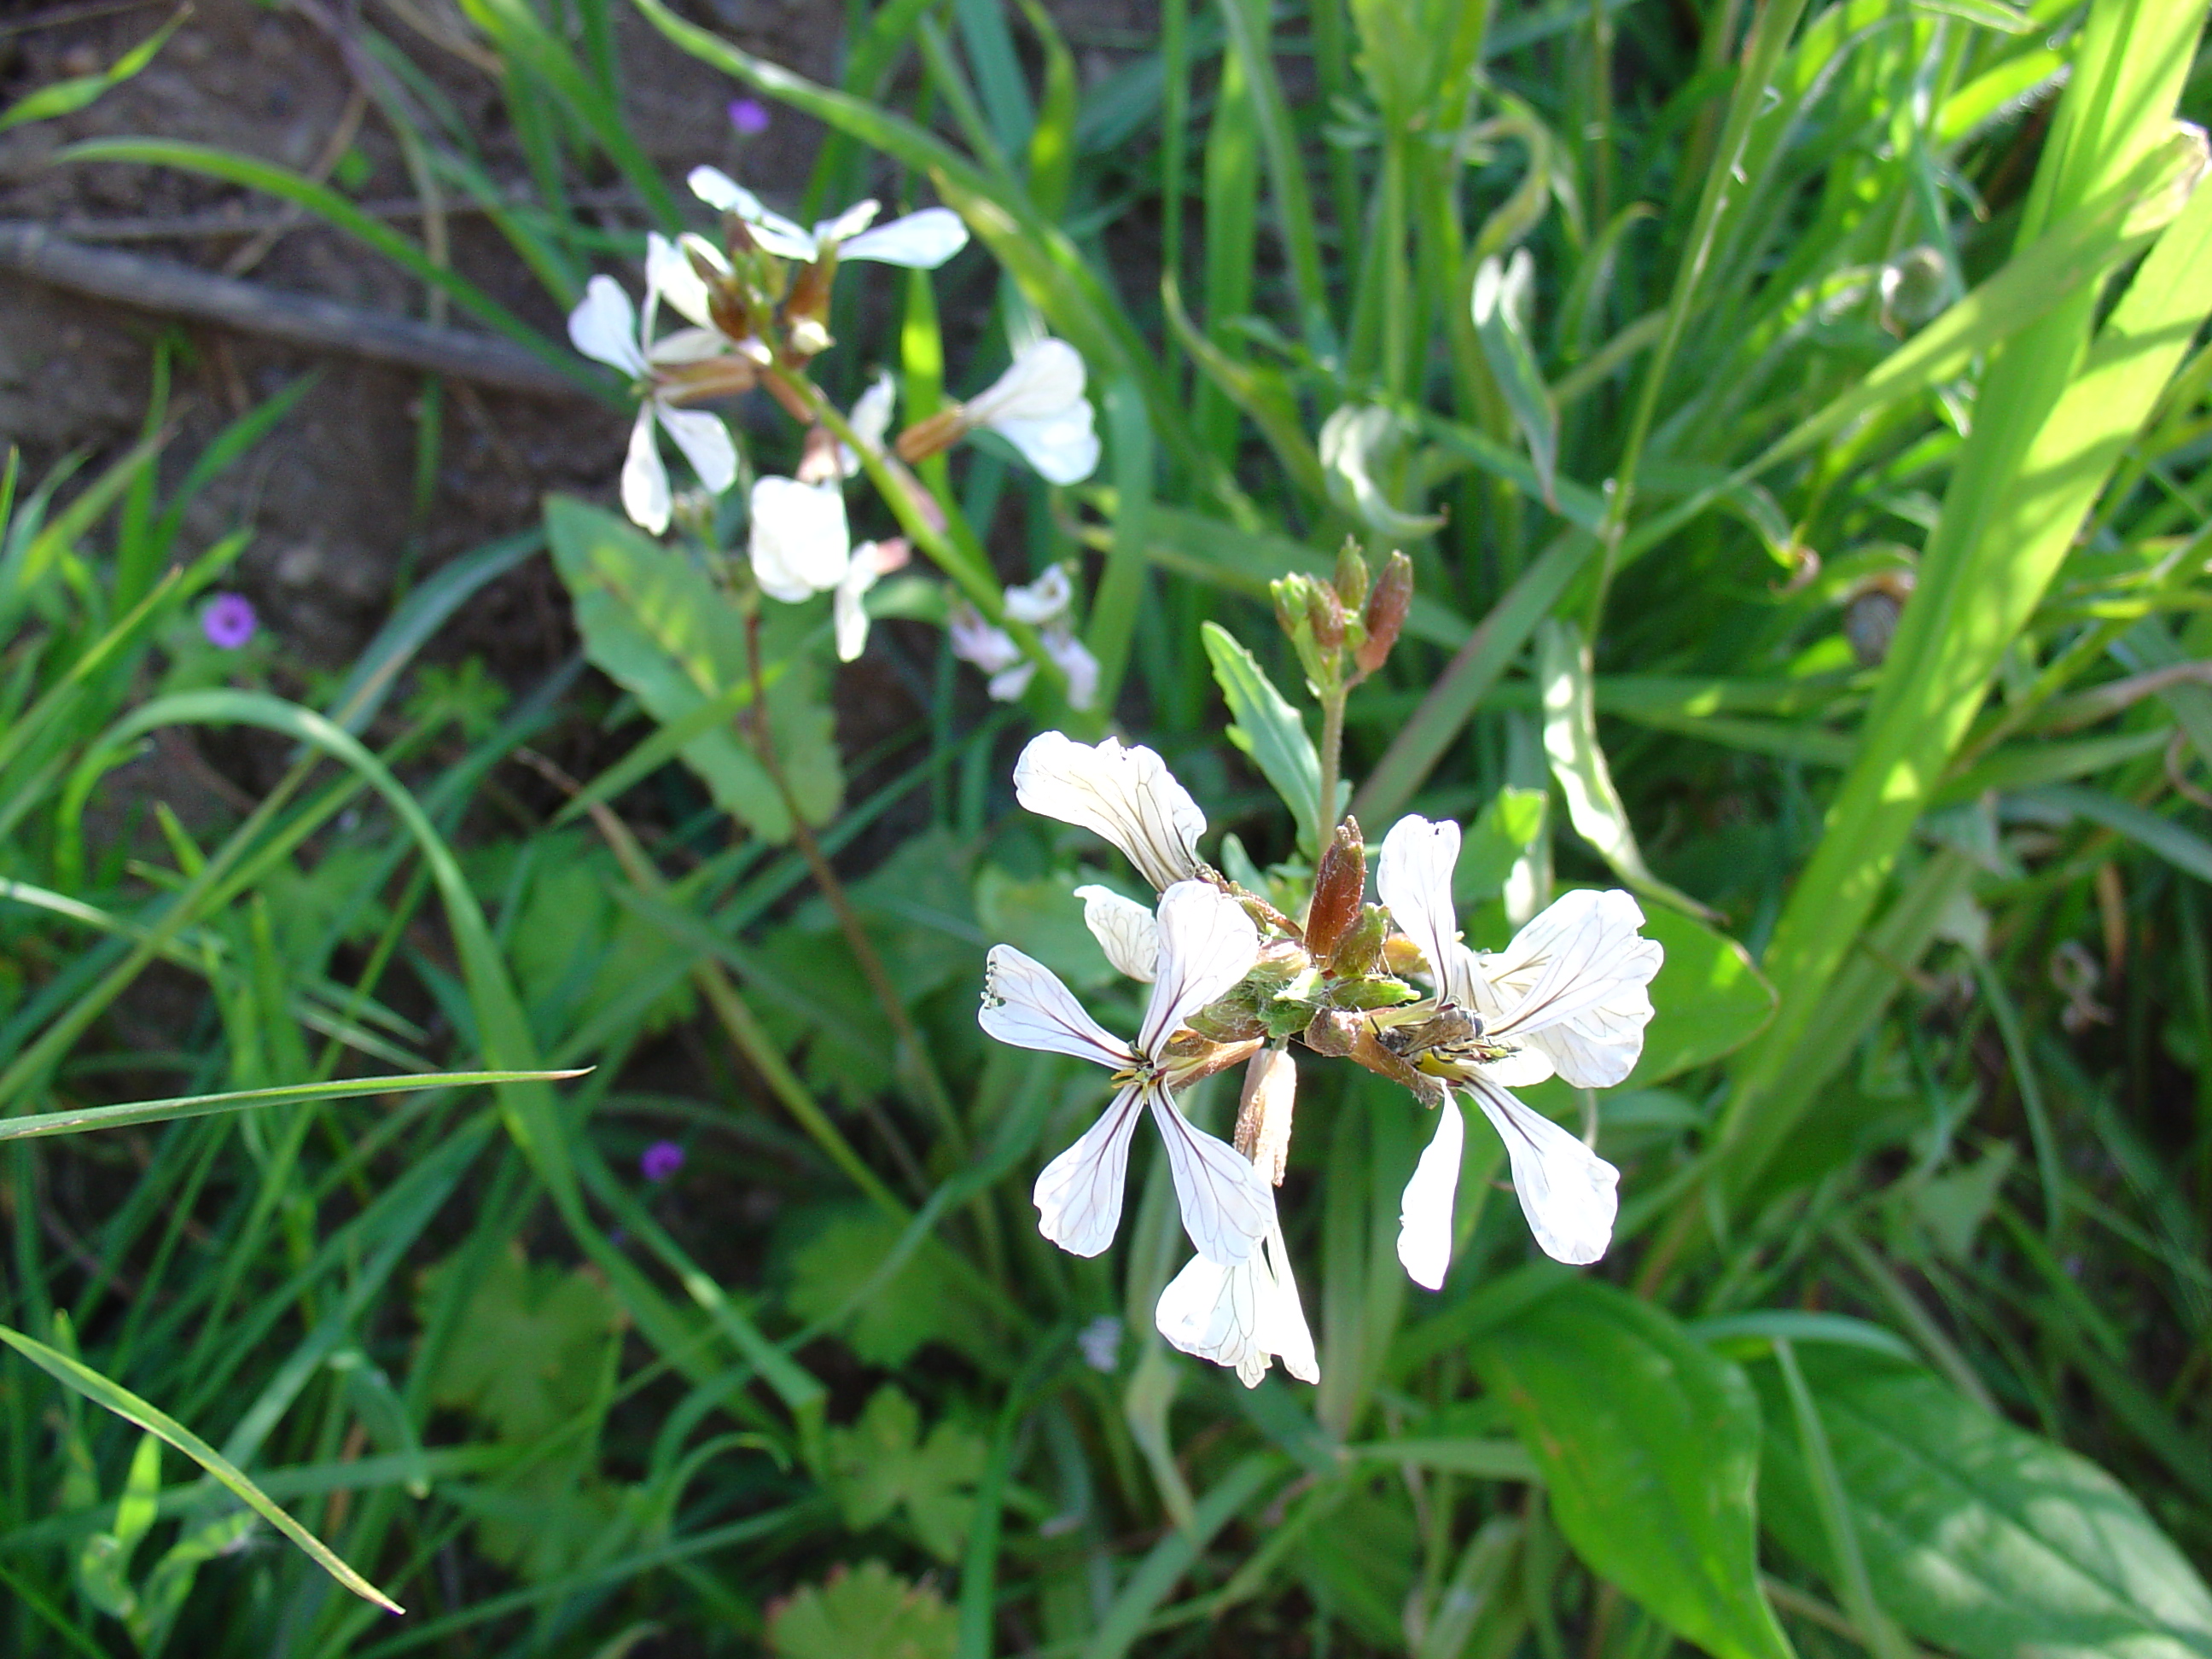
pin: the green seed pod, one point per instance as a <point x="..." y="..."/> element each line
<point x="1359" y="953"/>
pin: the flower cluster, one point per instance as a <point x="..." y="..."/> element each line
<point x="1234" y="981"/>
<point x="757" y="312"/>
<point x="1043" y="604"/>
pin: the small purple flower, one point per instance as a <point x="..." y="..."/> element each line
<point x="748" y="115"/>
<point x="660" y="1160"/>
<point x="228" y="621"/>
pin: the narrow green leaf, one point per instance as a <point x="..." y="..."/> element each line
<point x="112" y="1397"/>
<point x="38" y="1125"/>
<point x="1648" y="1443"/>
<point x="1267" y="729"/>
<point x="67" y="97"/>
<point x="1500" y="305"/>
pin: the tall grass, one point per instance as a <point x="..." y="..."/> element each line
<point x="1796" y="419"/>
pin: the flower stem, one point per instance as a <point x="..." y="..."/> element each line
<point x="1331" y="761"/>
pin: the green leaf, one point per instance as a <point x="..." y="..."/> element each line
<point x="655" y="625"/>
<point x="864" y="1613"/>
<point x="67" y="97"/>
<point x="1709" y="1000"/>
<point x="882" y="1463"/>
<point x="112" y="1397"/>
<point x="1978" y="1536"/>
<point x="35" y="1126"/>
<point x="1593" y="806"/>
<point x="1649" y="1443"/>
<point x="1268" y="730"/>
<point x="1495" y="842"/>
<point x="1042" y="918"/>
<point x="917" y="1304"/>
<point x="1500" y="305"/>
<point x="531" y="1350"/>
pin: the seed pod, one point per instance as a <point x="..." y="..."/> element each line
<point x="1386" y="612"/>
<point x="1339" y="885"/>
<point x="1359" y="952"/>
<point x="1352" y="578"/>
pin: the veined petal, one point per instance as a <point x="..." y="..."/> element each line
<point x="1424" y="1213"/>
<point x="1045" y="379"/>
<point x="1240" y="1317"/>
<point x="920" y="241"/>
<point x="1283" y="1329"/>
<point x="1126" y="795"/>
<point x="1568" y="1193"/>
<point x="669" y="274"/>
<point x="645" y="476"/>
<point x="1227" y="1205"/>
<point x="705" y="444"/>
<point x="1062" y="447"/>
<point x="1207" y="944"/>
<point x="1074" y="659"/>
<point x="603" y="327"/>
<point x="1079" y="1195"/>
<point x="1125" y="931"/>
<point x="1581" y="971"/>
<point x="1046" y="599"/>
<point x="1413" y="878"/>
<point x="800" y="543"/>
<point x="849" y="224"/>
<point x="1025" y="1005"/>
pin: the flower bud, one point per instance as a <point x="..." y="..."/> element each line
<point x="1359" y="952"/>
<point x="1326" y="614"/>
<point x="1353" y="580"/>
<point x="1339" y="885"/>
<point x="1386" y="612"/>
<point x="1263" y="1114"/>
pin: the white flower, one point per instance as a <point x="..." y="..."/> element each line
<point x="1125" y="931"/>
<point x="606" y="328"/>
<point x="1073" y="659"/>
<point x="1241" y="1316"/>
<point x="991" y="649"/>
<point x="1044" y="604"/>
<point x="1046" y="599"/>
<point x="1569" y="995"/>
<point x="1207" y="946"/>
<point x="920" y="241"/>
<point x="800" y="543"/>
<point x="1126" y="795"/>
<point x="849" y="607"/>
<point x="1037" y="405"/>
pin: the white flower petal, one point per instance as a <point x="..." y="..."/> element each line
<point x="920" y="241"/>
<point x="1567" y="1191"/>
<point x="1126" y="795"/>
<point x="1061" y="448"/>
<point x="1242" y="1316"/>
<point x="668" y="273"/>
<point x="872" y="414"/>
<point x="1046" y="599"/>
<point x="1574" y="984"/>
<point x="688" y="345"/>
<point x="1207" y="943"/>
<point x="849" y="607"/>
<point x="603" y="327"/>
<point x="1025" y="1005"/>
<point x="1283" y="1329"/>
<point x="800" y="543"/>
<point x="973" y="640"/>
<point x="645" y="477"/>
<point x="1413" y="878"/>
<point x="1227" y="1205"/>
<point x="1424" y="1214"/>
<point x="849" y="224"/>
<point x="1075" y="660"/>
<point x="1125" y="931"/>
<point x="1079" y="1195"/>
<point x="1008" y="684"/>
<point x="721" y="192"/>
<point x="705" y="444"/>
<point x="1045" y="379"/>
<point x="771" y="230"/>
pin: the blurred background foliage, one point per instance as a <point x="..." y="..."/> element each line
<point x="1797" y="417"/>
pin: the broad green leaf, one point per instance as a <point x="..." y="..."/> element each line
<point x="1267" y="729"/>
<point x="863" y="1612"/>
<point x="1980" y="1537"/>
<point x="1593" y="806"/>
<point x="1042" y="918"/>
<point x="919" y="1303"/>
<point x="1708" y="999"/>
<point x="112" y="1397"/>
<point x="882" y="1462"/>
<point x="1495" y="842"/>
<point x="657" y="627"/>
<point x="1648" y="1442"/>
<point x="566" y="1321"/>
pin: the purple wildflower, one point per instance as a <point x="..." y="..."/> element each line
<point x="228" y="621"/>
<point x="748" y="115"/>
<point x="660" y="1160"/>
